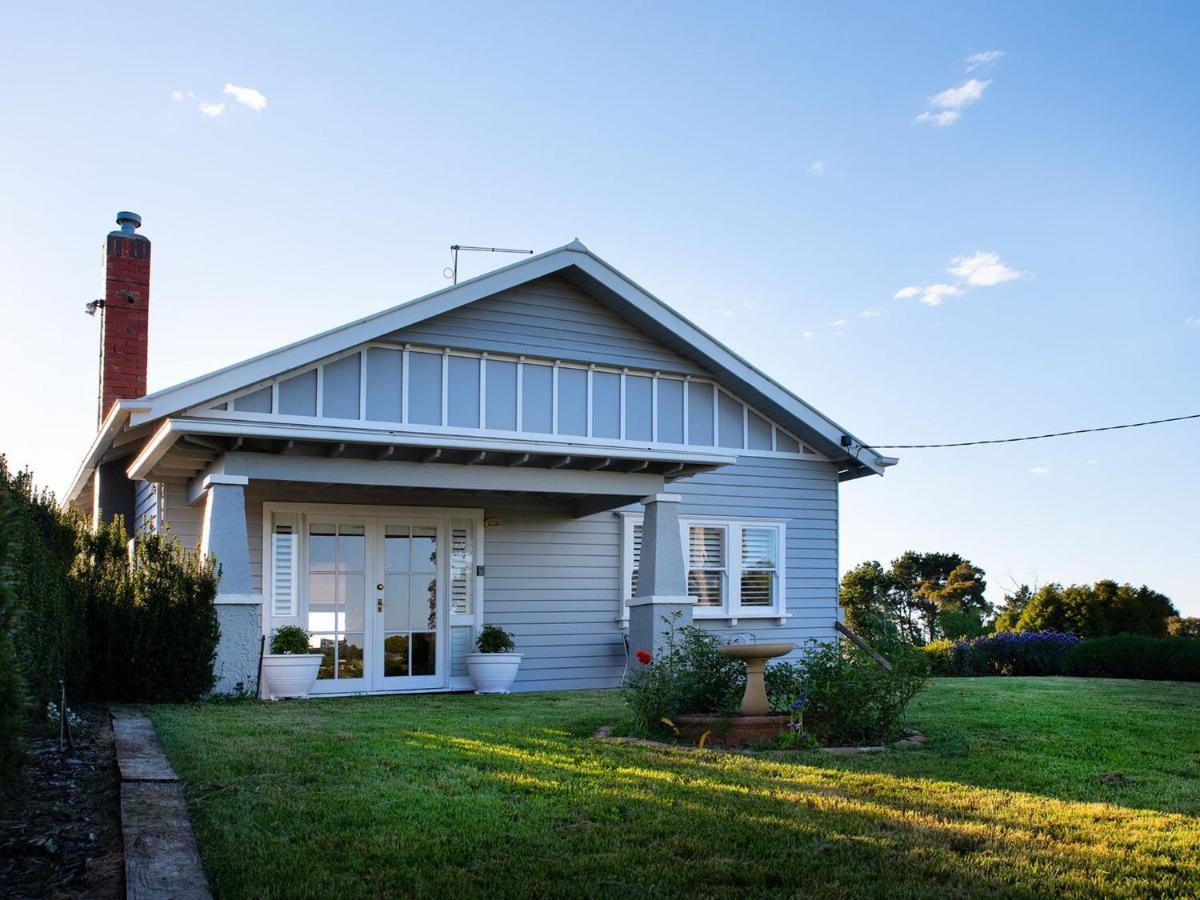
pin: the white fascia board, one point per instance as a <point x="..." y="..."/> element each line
<point x="116" y="420"/>
<point x="173" y="429"/>
<point x="301" y="353"/>
<point x="156" y="448"/>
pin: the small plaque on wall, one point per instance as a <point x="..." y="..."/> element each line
<point x="490" y="523"/>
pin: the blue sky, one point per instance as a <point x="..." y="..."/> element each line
<point x="768" y="171"/>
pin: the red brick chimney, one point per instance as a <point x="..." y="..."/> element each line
<point x="125" y="317"/>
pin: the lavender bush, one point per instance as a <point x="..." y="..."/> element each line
<point x="1013" y="653"/>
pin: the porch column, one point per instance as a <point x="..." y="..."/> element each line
<point x="239" y="608"/>
<point x="662" y="600"/>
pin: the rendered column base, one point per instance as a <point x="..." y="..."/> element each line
<point x="240" y="620"/>
<point x="651" y="620"/>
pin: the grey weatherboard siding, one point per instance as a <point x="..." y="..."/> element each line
<point x="552" y="579"/>
<point x="548" y="318"/>
<point x="555" y="580"/>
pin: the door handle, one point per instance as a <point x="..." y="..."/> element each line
<point x="378" y="604"/>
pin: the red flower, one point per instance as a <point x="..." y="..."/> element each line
<point x="644" y="658"/>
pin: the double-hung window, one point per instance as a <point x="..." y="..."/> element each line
<point x="735" y="568"/>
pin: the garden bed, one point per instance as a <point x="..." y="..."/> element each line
<point x="60" y="835"/>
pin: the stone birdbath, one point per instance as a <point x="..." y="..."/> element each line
<point x="754" y="700"/>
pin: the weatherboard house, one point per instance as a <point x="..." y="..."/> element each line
<point x="547" y="447"/>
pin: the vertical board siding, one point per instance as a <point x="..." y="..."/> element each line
<point x="549" y="318"/>
<point x="555" y="580"/>
<point x="143" y="505"/>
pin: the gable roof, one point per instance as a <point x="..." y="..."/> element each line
<point x="575" y="263"/>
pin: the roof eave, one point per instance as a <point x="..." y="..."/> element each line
<point x="117" y="419"/>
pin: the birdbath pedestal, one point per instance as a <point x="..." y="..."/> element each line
<point x="754" y="701"/>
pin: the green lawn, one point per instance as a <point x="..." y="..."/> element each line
<point x="1026" y="787"/>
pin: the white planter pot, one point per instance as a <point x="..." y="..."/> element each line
<point x="290" y="674"/>
<point x="493" y="673"/>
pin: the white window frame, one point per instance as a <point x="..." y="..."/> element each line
<point x="730" y="609"/>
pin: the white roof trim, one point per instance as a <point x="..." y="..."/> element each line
<point x="112" y="425"/>
<point x="301" y="353"/>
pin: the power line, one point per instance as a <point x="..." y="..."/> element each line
<point x="1032" y="437"/>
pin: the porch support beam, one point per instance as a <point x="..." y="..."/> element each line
<point x="450" y="476"/>
<point x="661" y="602"/>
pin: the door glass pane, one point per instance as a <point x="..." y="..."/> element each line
<point x="350" y="656"/>
<point x="424" y="605"/>
<point x="395" y="654"/>
<point x="424" y="550"/>
<point x="424" y="653"/>
<point x="395" y="602"/>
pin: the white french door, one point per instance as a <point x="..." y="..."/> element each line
<point x="410" y="607"/>
<point x="373" y="599"/>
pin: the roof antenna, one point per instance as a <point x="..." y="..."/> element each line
<point x="451" y="271"/>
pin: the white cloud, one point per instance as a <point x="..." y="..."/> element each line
<point x="1192" y="321"/>
<point x="247" y="96"/>
<point x="985" y="58"/>
<point x="872" y="313"/>
<point x="1039" y="470"/>
<point x="941" y="120"/>
<point x="982" y="269"/>
<point x="947" y="106"/>
<point x="838" y="323"/>
<point x="808" y="335"/>
<point x="212" y="110"/>
<point x="818" y="167"/>
<point x="176" y="95"/>
<point x="934" y="294"/>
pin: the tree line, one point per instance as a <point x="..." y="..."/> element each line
<point x="924" y="597"/>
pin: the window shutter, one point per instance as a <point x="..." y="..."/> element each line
<point x="636" y="557"/>
<point x="461" y="557"/>
<point x="283" y="571"/>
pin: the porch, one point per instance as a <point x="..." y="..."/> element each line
<point x="391" y="555"/>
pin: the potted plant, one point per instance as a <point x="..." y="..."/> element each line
<point x="494" y="667"/>
<point x="291" y="667"/>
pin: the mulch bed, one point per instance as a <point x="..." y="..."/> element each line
<point x="60" y="833"/>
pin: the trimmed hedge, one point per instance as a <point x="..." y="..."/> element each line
<point x="1135" y="656"/>
<point x="12" y="690"/>
<point x="114" y="624"/>
<point x="1005" y="653"/>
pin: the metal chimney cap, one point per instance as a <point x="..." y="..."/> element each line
<point x="129" y="221"/>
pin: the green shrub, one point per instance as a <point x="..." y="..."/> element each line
<point x="152" y="625"/>
<point x="12" y="689"/>
<point x="290" y="639"/>
<point x="686" y="675"/>
<point x="1013" y="653"/>
<point x="851" y="699"/>
<point x="49" y="626"/>
<point x="940" y="656"/>
<point x="1136" y="656"/>
<point x="494" y="639"/>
